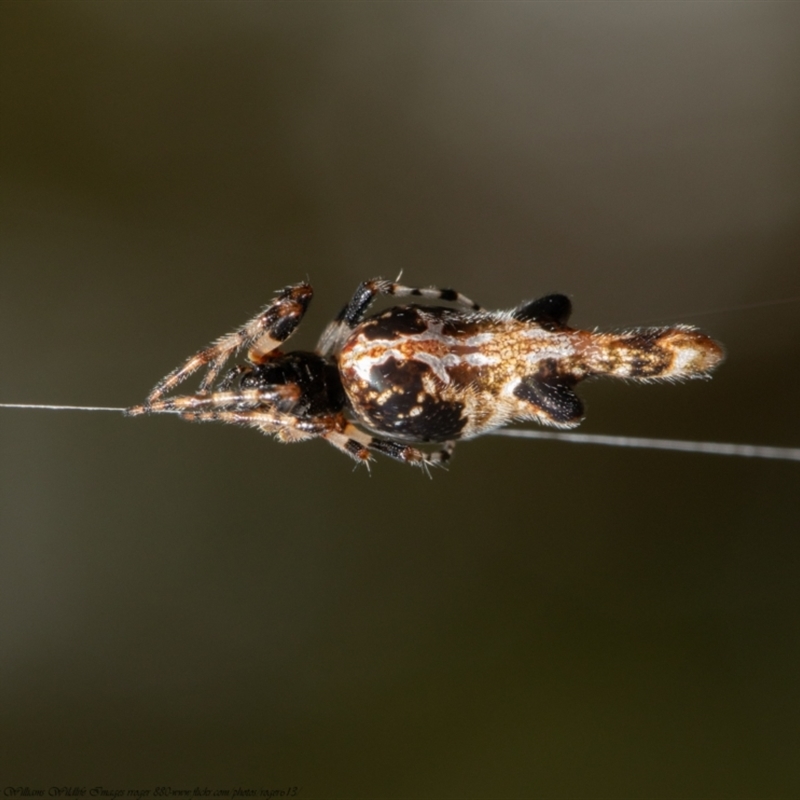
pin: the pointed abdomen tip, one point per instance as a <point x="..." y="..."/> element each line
<point x="694" y="353"/>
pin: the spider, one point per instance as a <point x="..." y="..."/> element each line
<point x="418" y="374"/>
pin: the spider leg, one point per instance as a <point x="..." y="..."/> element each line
<point x="351" y="441"/>
<point x="334" y="336"/>
<point x="269" y="410"/>
<point x="282" y="397"/>
<point x="266" y="420"/>
<point x="262" y="334"/>
<point x="411" y="455"/>
<point x="290" y="428"/>
<point x="358" y="444"/>
<point x="441" y="456"/>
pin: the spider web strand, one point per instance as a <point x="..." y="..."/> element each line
<point x="61" y="408"/>
<point x="714" y="448"/>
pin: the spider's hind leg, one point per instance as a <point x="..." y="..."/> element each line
<point x="353" y="313"/>
<point x="262" y="334"/>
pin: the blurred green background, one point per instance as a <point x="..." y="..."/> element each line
<point x="198" y="605"/>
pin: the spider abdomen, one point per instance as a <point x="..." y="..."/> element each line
<point x="418" y="373"/>
<point x="400" y="398"/>
<point x="432" y="374"/>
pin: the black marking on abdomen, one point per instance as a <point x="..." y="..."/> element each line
<point x="551" y="312"/>
<point x="394" y="323"/>
<point x="552" y="394"/>
<point x="651" y="359"/>
<point x="401" y="406"/>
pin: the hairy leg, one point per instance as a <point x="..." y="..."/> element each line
<point x="262" y="334"/>
<point x="354" y="312"/>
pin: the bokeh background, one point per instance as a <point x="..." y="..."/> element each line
<point x="190" y="605"/>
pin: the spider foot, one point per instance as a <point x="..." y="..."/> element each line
<point x="136" y="411"/>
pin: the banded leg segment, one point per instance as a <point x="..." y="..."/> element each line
<point x="266" y="420"/>
<point x="358" y="445"/>
<point x="354" y="312"/>
<point x="247" y="408"/>
<point x="283" y="397"/>
<point x="262" y="334"/>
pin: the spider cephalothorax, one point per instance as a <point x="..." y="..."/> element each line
<point x="416" y="374"/>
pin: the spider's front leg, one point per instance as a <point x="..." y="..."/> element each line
<point x="261" y="335"/>
<point x="281" y="398"/>
<point x="334" y="336"/>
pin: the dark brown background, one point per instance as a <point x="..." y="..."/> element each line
<point x="190" y="605"/>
